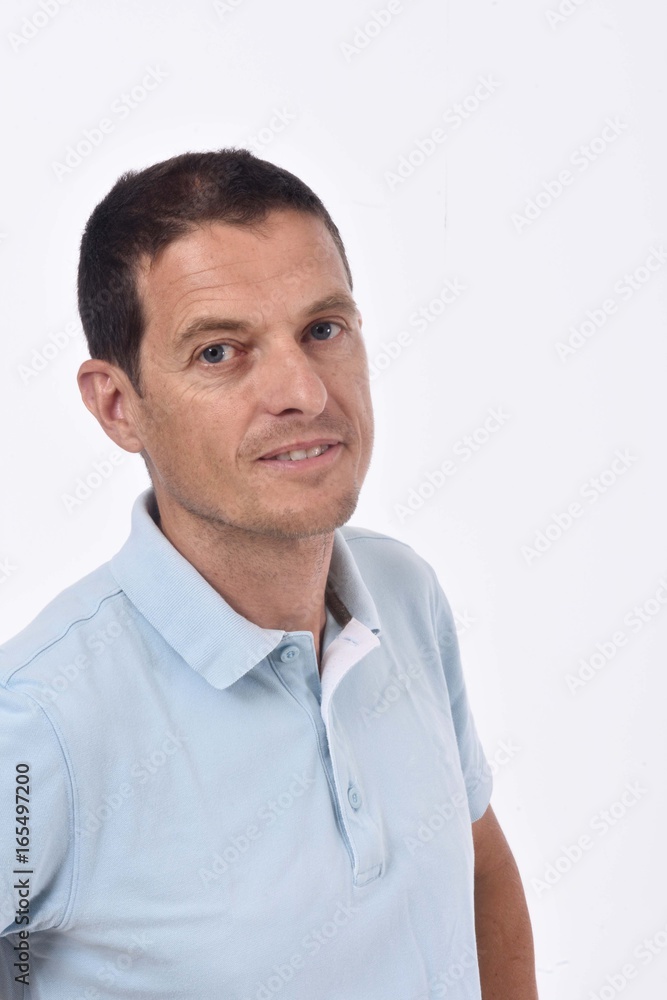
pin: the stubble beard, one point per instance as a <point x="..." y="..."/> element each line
<point x="254" y="518"/>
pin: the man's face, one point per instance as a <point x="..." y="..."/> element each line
<point x="253" y="346"/>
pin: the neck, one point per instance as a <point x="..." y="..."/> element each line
<point x="277" y="583"/>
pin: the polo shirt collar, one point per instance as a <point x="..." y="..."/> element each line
<point x="194" y="619"/>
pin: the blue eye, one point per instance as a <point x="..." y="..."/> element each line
<point x="214" y="353"/>
<point x="323" y="330"/>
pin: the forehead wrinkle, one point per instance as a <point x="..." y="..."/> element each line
<point x="282" y="270"/>
<point x="321" y="250"/>
<point x="226" y="282"/>
<point x="255" y="281"/>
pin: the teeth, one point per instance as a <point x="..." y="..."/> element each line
<point x="297" y="456"/>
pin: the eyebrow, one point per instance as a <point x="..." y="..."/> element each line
<point x="204" y="324"/>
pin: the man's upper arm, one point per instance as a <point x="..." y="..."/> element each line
<point x="491" y="848"/>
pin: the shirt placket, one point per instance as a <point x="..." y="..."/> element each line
<point x="358" y="824"/>
<point x="359" y="830"/>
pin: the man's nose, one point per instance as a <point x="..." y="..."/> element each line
<point x="289" y="380"/>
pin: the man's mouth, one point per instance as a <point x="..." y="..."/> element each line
<point x="300" y="453"/>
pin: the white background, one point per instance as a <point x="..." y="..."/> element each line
<point x="355" y="106"/>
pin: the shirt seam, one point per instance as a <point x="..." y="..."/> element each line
<point x="52" y="642"/>
<point x="378" y="537"/>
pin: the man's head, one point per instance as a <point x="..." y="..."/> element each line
<point x="147" y="210"/>
<point x="217" y="302"/>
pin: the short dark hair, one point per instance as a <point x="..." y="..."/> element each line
<point x="146" y="210"/>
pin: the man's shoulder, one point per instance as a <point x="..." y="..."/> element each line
<point x="74" y="607"/>
<point x="378" y="553"/>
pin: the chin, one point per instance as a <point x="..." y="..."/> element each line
<point x="295" y="523"/>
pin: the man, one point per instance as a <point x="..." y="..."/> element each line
<point x="244" y="747"/>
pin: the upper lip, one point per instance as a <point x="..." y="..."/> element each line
<point x="300" y="446"/>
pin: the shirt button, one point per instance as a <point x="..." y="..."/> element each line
<point x="353" y="797"/>
<point x="289" y="653"/>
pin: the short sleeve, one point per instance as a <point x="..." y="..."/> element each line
<point x="476" y="771"/>
<point x="39" y="871"/>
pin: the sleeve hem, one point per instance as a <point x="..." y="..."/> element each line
<point x="479" y="796"/>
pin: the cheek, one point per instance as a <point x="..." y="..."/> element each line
<point x="175" y="427"/>
<point x="365" y="402"/>
<point x="352" y="388"/>
<point x="176" y="411"/>
<point x="367" y="424"/>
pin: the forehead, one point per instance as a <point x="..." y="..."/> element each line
<point x="287" y="257"/>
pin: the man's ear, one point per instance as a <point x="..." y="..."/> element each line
<point x="110" y="396"/>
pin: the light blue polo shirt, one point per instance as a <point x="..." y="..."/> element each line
<point x="211" y="819"/>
